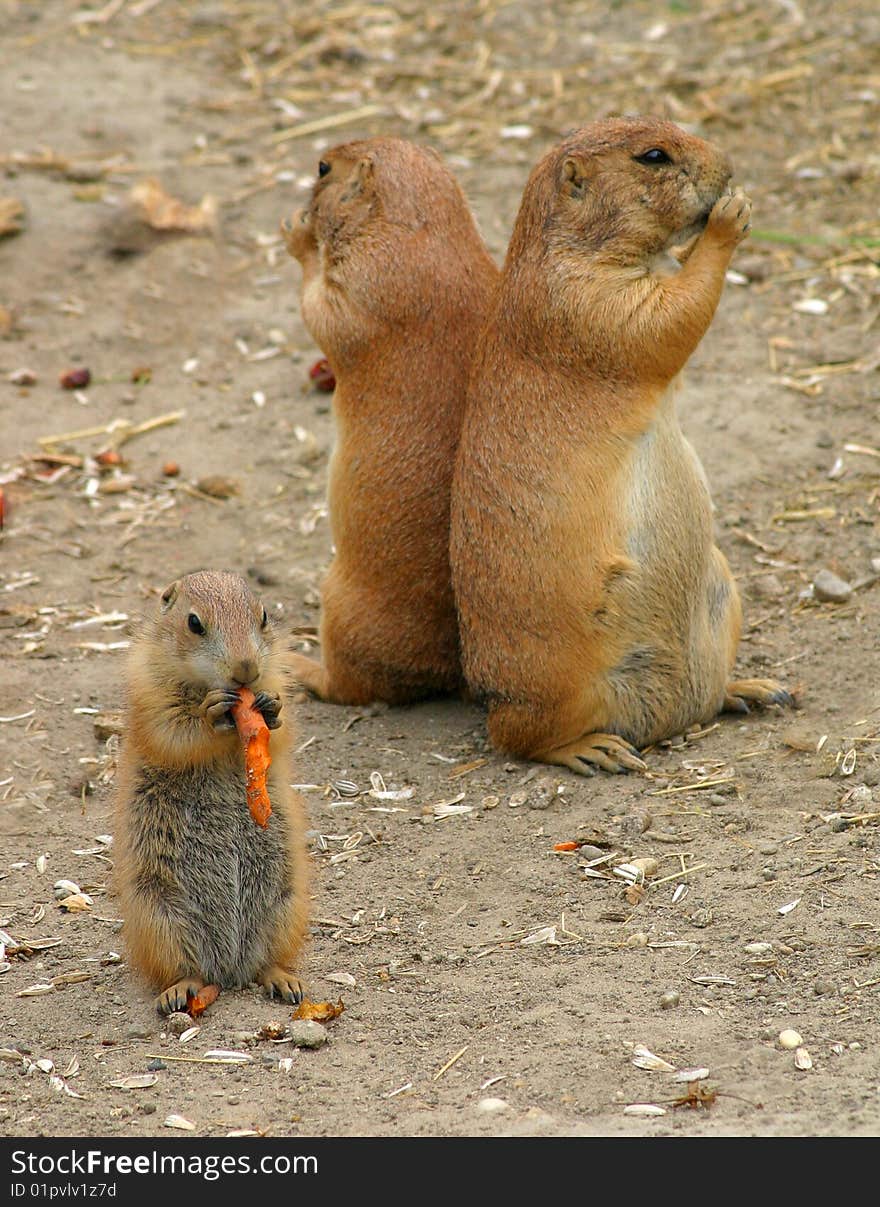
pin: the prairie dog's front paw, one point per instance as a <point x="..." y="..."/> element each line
<point x="730" y="218"/>
<point x="269" y="706"/>
<point x="215" y="708"/>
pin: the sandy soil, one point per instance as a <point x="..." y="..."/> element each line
<point x="477" y="962"/>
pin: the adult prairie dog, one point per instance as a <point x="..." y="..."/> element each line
<point x="395" y="284"/>
<point x="596" y="613"/>
<point x="208" y="897"/>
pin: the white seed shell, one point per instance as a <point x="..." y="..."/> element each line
<point x="643" y="1058"/>
<point x="180" y="1123"/>
<point x="802" y="1059"/>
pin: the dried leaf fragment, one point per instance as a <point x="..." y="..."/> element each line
<point x="254" y="734"/>
<point x="319" y="1012"/>
<point x="163" y="212"/>
<point x="698" y="1095"/>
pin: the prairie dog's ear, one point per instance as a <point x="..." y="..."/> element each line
<point x="574" y="177"/>
<point x="360" y="179"/>
<point x="169" y="595"/>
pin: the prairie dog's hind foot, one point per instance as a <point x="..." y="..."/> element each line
<point x="605" y="750"/>
<point x="175" y="997"/>
<point x="281" y="982"/>
<point x="763" y="692"/>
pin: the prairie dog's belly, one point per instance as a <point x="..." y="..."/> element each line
<point x="229" y="875"/>
<point x="667" y="506"/>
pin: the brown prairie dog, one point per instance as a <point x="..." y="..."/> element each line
<point x="208" y="897"/>
<point x="395" y="283"/>
<point x="596" y="613"/>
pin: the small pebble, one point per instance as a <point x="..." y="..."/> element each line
<point x="589" y="853"/>
<point x="647" y="865"/>
<point x="768" y="848"/>
<point x="758" y="949"/>
<point x="702" y="918"/>
<point x="831" y="589"/>
<point x="492" y="1106"/>
<point x="178" y="1022"/>
<point x="790" y="1040"/>
<point x="233" y="1100"/>
<point x="305" y="1033"/>
<point x="156" y="1066"/>
<point x="670" y="999"/>
<point x="148" y="1108"/>
<point x="138" y="1033"/>
<point x="855" y="1046"/>
<point x="715" y="799"/>
<point x="824" y="988"/>
<point x="838" y="825"/>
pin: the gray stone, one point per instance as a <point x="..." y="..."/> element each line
<point x="306" y="1033"/>
<point x="177" y="1023"/>
<point x="831" y="589"/>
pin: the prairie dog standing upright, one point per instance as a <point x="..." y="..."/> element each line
<point x="395" y="284"/>
<point x="208" y="897"/>
<point x="596" y="613"/>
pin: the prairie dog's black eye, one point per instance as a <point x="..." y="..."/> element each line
<point x="264" y="619"/>
<point x="653" y="157"/>
<point x="195" y="625"/>
<point x="323" y="168"/>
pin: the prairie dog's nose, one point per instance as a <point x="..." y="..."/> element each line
<point x="244" y="671"/>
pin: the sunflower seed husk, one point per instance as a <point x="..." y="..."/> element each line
<point x="802" y="1059"/>
<point x="643" y="1058"/>
<point x="180" y="1123"/>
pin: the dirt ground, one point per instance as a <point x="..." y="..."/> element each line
<point x="475" y="962"/>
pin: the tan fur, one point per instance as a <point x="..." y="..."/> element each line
<point x="596" y="613"/>
<point x="394" y="287"/>
<point x="184" y="841"/>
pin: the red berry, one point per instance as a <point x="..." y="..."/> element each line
<point x="322" y="375"/>
<point x="76" y="379"/>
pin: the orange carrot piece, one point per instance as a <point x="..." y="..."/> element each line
<point x="198" y="1003"/>
<point x="566" y="846"/>
<point x="254" y="734"/>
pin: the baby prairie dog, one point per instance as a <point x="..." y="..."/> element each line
<point x="596" y="613"/>
<point x="395" y="284"/>
<point x="208" y="897"/>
